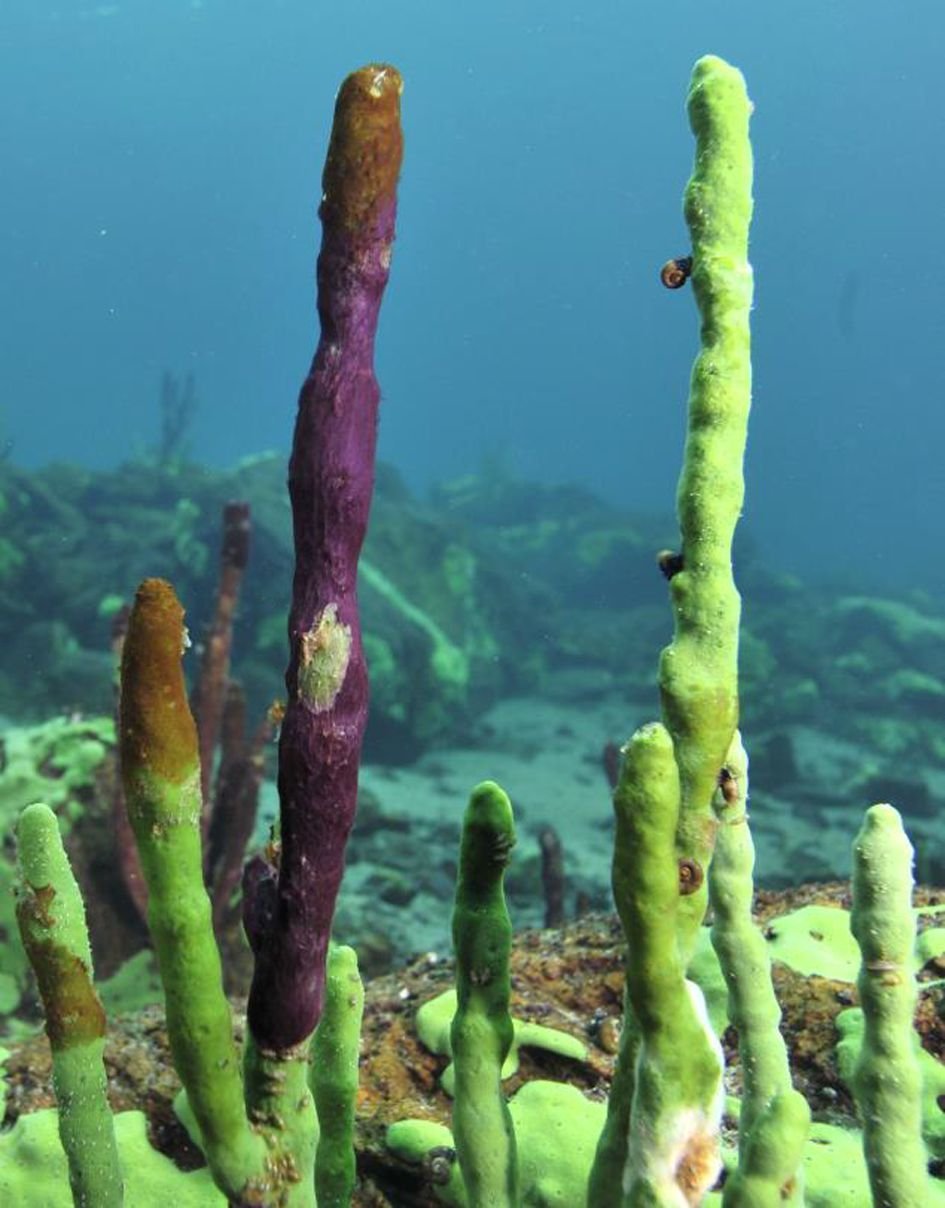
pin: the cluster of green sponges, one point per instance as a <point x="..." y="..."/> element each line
<point x="80" y="1154"/>
<point x="536" y="1148"/>
<point x="660" y="1145"/>
<point x="681" y="835"/>
<point x="556" y="1128"/>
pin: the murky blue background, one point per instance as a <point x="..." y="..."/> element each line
<point x="157" y="211"/>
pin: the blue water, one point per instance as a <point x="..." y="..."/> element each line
<point x="157" y="211"/>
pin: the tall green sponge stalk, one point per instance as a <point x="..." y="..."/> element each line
<point x="333" y="1077"/>
<point x="660" y="1144"/>
<point x="482" y="1030"/>
<point x="774" y="1118"/>
<point x="51" y="918"/>
<point x="699" y="669"/>
<point x="887" y="1079"/>
<point x="161" y="771"/>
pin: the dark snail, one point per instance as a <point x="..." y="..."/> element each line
<point x="691" y="876"/>
<point x="676" y="273"/>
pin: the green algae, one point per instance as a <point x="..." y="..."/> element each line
<point x="57" y="763"/>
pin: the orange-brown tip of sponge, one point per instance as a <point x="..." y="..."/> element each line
<point x="157" y="728"/>
<point x="366" y="147"/>
<point x="156" y="604"/>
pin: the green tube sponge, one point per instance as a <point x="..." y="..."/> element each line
<point x="482" y="1030"/>
<point x="51" y="917"/>
<point x="774" y="1119"/>
<point x="698" y="670"/>
<point x="161" y="773"/>
<point x="333" y="1076"/>
<point x="887" y="1081"/>
<point x="660" y="1145"/>
<point x="671" y="1102"/>
<point x="769" y="1156"/>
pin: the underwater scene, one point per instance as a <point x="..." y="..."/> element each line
<point x="445" y="453"/>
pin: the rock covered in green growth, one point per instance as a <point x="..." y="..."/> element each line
<point x="4" y="1054"/>
<point x="560" y="535"/>
<point x="898" y="646"/>
<point x="757" y="663"/>
<point x="536" y="550"/>
<point x="909" y="685"/>
<point x="428" y="605"/>
<point x="55" y="762"/>
<point x="189" y="549"/>
<point x="897" y="622"/>
<point x="11" y="558"/>
<point x="14" y="967"/>
<point x="826" y="648"/>
<point x="69" y="763"/>
<point x="449" y="662"/>
<point x="168" y="523"/>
